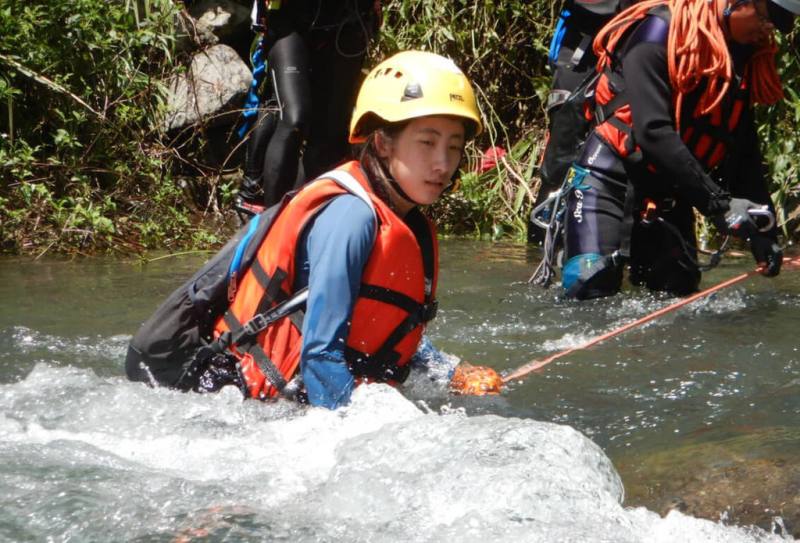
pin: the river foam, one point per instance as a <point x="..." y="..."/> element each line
<point x="95" y="458"/>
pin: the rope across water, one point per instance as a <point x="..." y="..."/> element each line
<point x="535" y="365"/>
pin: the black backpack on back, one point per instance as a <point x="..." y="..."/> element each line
<point x="172" y="345"/>
<point x="165" y="346"/>
<point x="569" y="128"/>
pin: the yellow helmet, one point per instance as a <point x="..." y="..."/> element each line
<point x="413" y="84"/>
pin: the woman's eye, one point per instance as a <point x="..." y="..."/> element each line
<point x="426" y="142"/>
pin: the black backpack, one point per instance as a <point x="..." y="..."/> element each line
<point x="569" y="128"/>
<point x="166" y="345"/>
<point x="173" y="345"/>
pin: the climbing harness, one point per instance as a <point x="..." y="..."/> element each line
<point x="549" y="215"/>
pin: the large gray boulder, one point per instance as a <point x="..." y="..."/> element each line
<point x="211" y="91"/>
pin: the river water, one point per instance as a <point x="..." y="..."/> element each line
<point x="693" y="415"/>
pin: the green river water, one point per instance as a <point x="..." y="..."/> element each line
<point x="698" y="410"/>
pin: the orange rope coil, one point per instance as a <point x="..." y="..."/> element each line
<point x="697" y="52"/>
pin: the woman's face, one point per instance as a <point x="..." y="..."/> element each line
<point x="423" y="157"/>
<point x="749" y="23"/>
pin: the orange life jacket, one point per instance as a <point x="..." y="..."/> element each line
<point x="708" y="136"/>
<point x="396" y="298"/>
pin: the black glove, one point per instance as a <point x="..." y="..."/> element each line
<point x="737" y="221"/>
<point x="767" y="253"/>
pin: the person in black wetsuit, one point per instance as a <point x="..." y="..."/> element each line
<point x="571" y="59"/>
<point x="314" y="51"/>
<point x="664" y="144"/>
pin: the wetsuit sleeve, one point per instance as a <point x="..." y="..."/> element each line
<point x="338" y="244"/>
<point x="649" y="92"/>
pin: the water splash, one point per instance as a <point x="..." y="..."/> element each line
<point x="97" y="458"/>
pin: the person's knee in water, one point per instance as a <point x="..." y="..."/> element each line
<point x="594" y="238"/>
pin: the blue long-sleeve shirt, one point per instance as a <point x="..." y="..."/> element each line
<point x="332" y="253"/>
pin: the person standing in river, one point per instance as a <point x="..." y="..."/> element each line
<point x="314" y="52"/>
<point x="356" y="243"/>
<point x="674" y="130"/>
<point x="571" y="59"/>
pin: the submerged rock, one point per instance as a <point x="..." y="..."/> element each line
<point x="720" y="481"/>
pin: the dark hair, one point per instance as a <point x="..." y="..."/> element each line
<point x="375" y="167"/>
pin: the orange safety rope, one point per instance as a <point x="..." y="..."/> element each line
<point x="696" y="52"/>
<point x="535" y="365"/>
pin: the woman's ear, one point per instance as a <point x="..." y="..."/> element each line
<point x="383" y="144"/>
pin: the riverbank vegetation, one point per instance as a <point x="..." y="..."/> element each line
<point x="86" y="168"/>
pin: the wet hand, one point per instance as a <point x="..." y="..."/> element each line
<point x="475" y="380"/>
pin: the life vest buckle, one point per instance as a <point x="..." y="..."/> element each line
<point x="255" y="325"/>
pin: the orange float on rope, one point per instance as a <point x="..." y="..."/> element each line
<point x="475" y="380"/>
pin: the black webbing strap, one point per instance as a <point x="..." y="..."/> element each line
<point x="380" y="366"/>
<point x="271" y="286"/>
<point x="250" y="346"/>
<point x="604" y="112"/>
<point x="424" y="312"/>
<point x="580" y="51"/>
<point x="634" y="154"/>
<point x="297" y="318"/>
<point x="273" y="293"/>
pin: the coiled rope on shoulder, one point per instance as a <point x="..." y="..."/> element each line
<point x="697" y="53"/>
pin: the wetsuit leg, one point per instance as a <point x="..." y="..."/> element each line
<point x="663" y="256"/>
<point x="289" y="71"/>
<point x="257" y="142"/>
<point x="336" y="76"/>
<point x="593" y="224"/>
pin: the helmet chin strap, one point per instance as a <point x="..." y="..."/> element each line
<point x="396" y="186"/>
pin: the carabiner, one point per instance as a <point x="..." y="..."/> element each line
<point x="763" y="211"/>
<point x="544" y="222"/>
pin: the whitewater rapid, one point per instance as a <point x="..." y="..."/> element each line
<point x="92" y="457"/>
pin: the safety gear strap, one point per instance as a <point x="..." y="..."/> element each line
<point x="383" y="363"/>
<point x="580" y="51"/>
<point x="244" y="335"/>
<point x="250" y="346"/>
